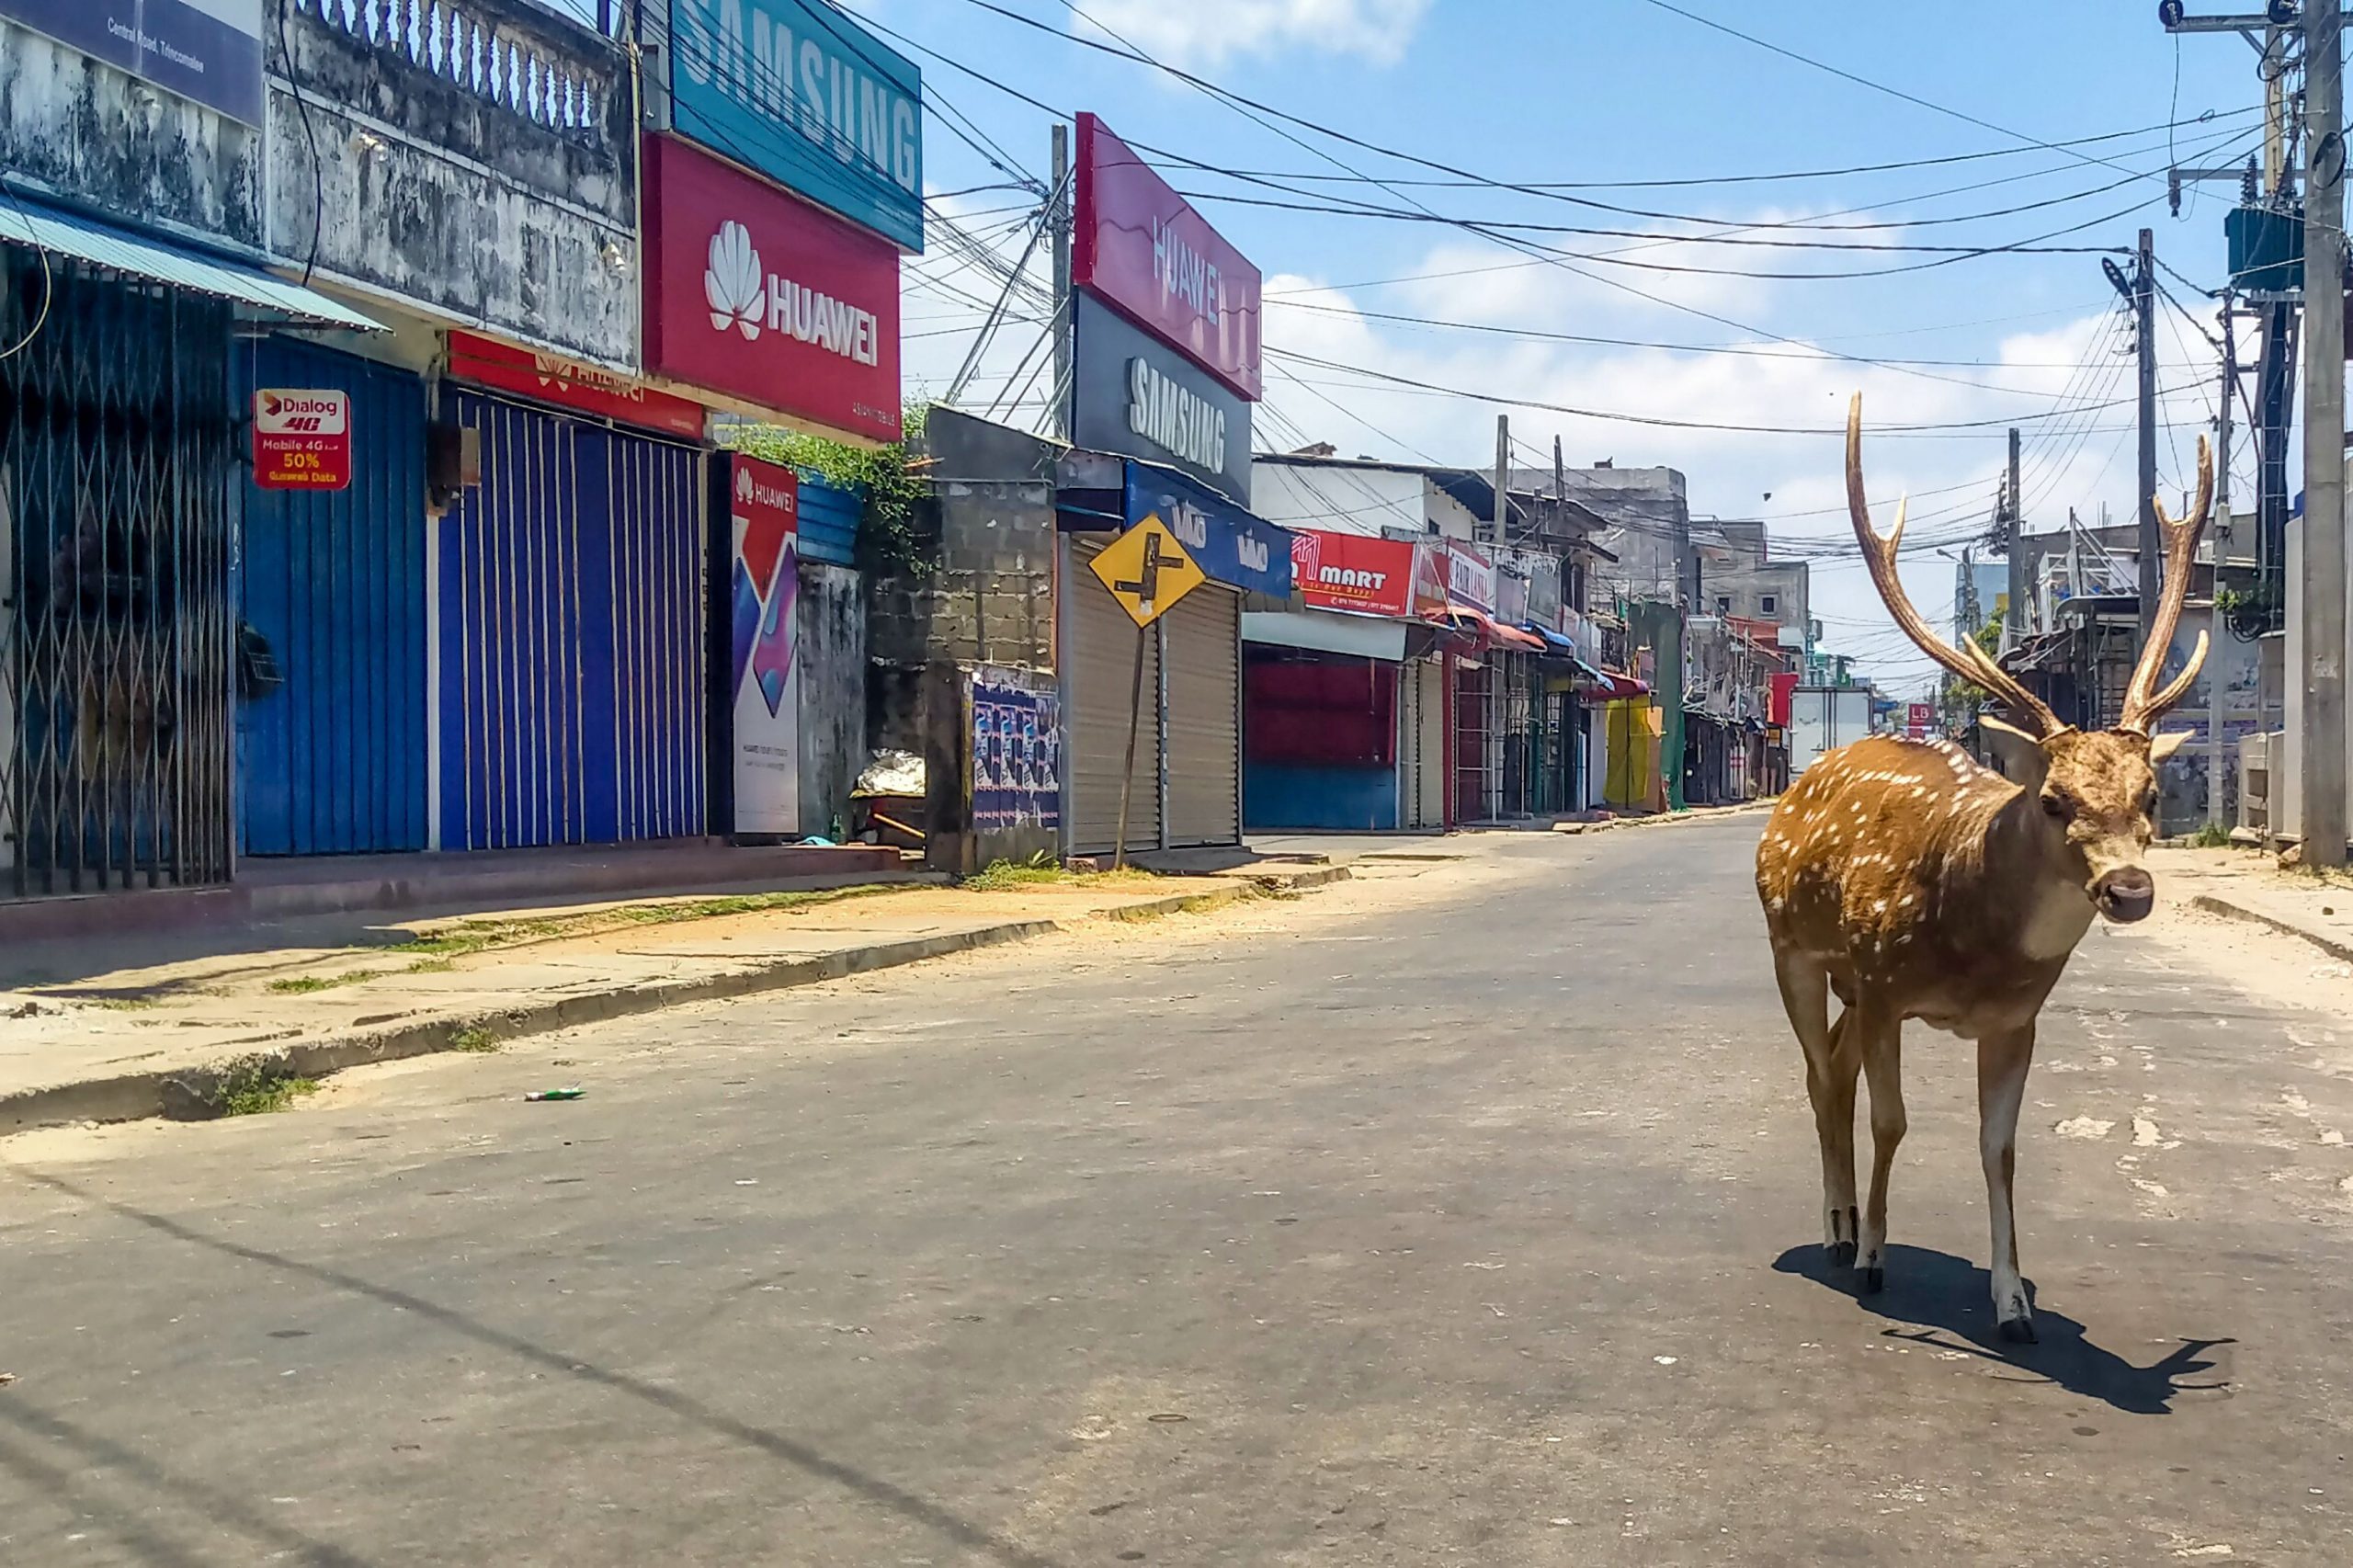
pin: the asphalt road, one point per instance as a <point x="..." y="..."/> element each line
<point x="1469" y="1215"/>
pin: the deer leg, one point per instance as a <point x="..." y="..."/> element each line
<point x="1882" y="1052"/>
<point x="2002" y="1063"/>
<point x="1830" y="1066"/>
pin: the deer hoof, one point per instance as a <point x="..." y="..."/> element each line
<point x="2018" y="1331"/>
<point x="1873" y="1282"/>
<point x="1841" y="1254"/>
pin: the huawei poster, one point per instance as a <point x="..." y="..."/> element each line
<point x="765" y="504"/>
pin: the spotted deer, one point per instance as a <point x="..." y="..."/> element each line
<point x="1917" y="884"/>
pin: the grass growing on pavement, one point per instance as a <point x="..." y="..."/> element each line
<point x="2213" y="835"/>
<point x="1003" y="876"/>
<point x="475" y="1039"/>
<point x="303" y="984"/>
<point x="258" y="1085"/>
<point x="468" y="937"/>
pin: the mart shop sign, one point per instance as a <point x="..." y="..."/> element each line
<point x="302" y="439"/>
<point x="798" y="91"/>
<point x="1352" y="572"/>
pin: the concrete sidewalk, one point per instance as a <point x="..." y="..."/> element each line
<point x="2244" y="884"/>
<point x="151" y="1034"/>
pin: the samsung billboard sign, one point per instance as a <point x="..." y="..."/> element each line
<point x="1138" y="397"/>
<point x="796" y="91"/>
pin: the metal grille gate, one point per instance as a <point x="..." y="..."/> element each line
<point x="115" y="440"/>
<point x="570" y="588"/>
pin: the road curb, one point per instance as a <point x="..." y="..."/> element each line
<point x="184" y="1095"/>
<point x="2213" y="904"/>
<point x="1658" y="819"/>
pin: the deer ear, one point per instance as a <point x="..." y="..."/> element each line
<point x="2020" y="755"/>
<point x="2163" y="746"/>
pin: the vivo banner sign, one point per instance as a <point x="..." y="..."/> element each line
<point x="1135" y="396"/>
<point x="206" y="51"/>
<point x="1142" y="247"/>
<point x="798" y="91"/>
<point x="1233" y="546"/>
<point x="766" y="299"/>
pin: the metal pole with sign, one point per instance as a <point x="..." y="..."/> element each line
<point x="1147" y="570"/>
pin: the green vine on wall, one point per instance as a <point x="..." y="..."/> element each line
<point x="2249" y="612"/>
<point x="888" y="539"/>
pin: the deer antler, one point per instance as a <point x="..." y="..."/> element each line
<point x="1970" y="661"/>
<point x="2143" y="706"/>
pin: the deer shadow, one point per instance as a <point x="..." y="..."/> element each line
<point x="1947" y="1303"/>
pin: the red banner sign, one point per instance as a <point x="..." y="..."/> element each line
<point x="301" y="438"/>
<point x="753" y="294"/>
<point x="1142" y="247"/>
<point x="1374" y="577"/>
<point x="1920" y="717"/>
<point x="554" y="378"/>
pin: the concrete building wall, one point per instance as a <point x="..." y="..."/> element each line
<point x="832" y="656"/>
<point x="90" y="135"/>
<point x="512" y="208"/>
<point x="991" y="599"/>
<point x="1645" y="507"/>
<point x="1338" y="498"/>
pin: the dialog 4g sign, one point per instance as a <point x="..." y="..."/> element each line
<point x="301" y="438"/>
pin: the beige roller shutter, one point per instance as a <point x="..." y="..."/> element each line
<point x="1204" y="718"/>
<point x="1424" y="739"/>
<point x="1100" y="663"/>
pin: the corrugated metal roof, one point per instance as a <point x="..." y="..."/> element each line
<point x="103" y="245"/>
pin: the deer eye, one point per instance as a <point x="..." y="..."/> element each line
<point x="2057" y="806"/>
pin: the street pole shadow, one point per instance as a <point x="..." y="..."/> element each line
<point x="976" y="1541"/>
<point x="1948" y="1300"/>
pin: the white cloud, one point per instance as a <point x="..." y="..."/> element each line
<point x="1210" y="32"/>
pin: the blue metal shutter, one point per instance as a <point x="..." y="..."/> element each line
<point x="333" y="761"/>
<point x="828" y="521"/>
<point x="571" y="636"/>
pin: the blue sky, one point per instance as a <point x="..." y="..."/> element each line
<point x="1615" y="90"/>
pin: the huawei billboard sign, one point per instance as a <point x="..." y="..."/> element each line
<point x="766" y="299"/>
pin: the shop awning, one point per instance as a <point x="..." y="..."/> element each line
<point x="1613" y="686"/>
<point x="1328" y="631"/>
<point x="1505" y="636"/>
<point x="183" y="266"/>
<point x="1552" y="638"/>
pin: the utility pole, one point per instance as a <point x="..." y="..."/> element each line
<point x="1502" y="480"/>
<point x="2222" y="536"/>
<point x="2144" y="330"/>
<point x="2322" y="696"/>
<point x="1065" y="307"/>
<point x="2013" y="624"/>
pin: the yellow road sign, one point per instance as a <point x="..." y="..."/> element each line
<point x="1147" y="570"/>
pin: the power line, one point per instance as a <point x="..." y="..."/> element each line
<point x="1622" y="418"/>
<point x="1545" y="186"/>
<point x="1912" y="98"/>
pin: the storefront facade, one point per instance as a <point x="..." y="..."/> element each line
<point x="1334" y="714"/>
<point x="1186" y="785"/>
<point x="131" y="252"/>
<point x="570" y="596"/>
